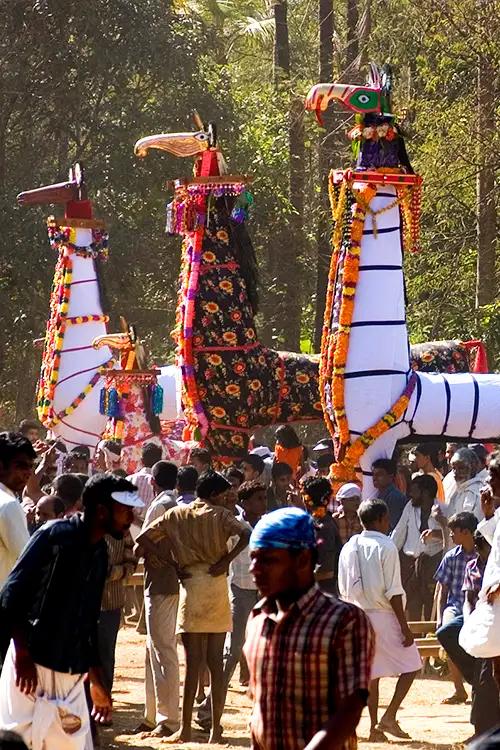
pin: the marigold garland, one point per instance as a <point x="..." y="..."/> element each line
<point x="60" y="239"/>
<point x="342" y="283"/>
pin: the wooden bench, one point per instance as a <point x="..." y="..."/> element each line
<point x="428" y="645"/>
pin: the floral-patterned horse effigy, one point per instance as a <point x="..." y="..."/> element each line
<point x="72" y="371"/>
<point x="370" y="394"/>
<point x="231" y="382"/>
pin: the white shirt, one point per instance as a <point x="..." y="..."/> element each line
<point x="464" y="497"/>
<point x="490" y="529"/>
<point x="162" y="502"/>
<point x="13" y="531"/>
<point x="143" y="480"/>
<point x="369" y="571"/>
<point x="240" y="567"/>
<point x="406" y="535"/>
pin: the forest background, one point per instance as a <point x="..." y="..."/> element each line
<point x="84" y="80"/>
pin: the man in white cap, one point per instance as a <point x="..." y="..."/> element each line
<point x="348" y="500"/>
<point x="49" y="609"/>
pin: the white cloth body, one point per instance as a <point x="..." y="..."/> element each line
<point x="406" y="535"/>
<point x="391" y="657"/>
<point x="374" y="345"/>
<point x="13" y="531"/>
<point x="370" y="572"/>
<point x="38" y="718"/>
<point x="84" y="426"/>
<point x="162" y="663"/>
<point x="378" y="367"/>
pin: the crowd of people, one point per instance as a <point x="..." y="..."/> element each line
<point x="261" y="567"/>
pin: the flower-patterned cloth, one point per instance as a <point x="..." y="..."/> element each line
<point x="241" y="389"/>
<point x="440" y="356"/>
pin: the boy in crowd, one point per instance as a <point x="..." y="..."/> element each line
<point x="201" y="459"/>
<point x="30" y="429"/>
<point x="384" y="473"/>
<point x="151" y="453"/>
<point x="450" y="576"/>
<point x="161" y="599"/>
<point x="346" y="517"/>
<point x="420" y="551"/>
<point x="69" y="488"/>
<point x="48" y="508"/>
<point x="252" y="467"/>
<point x="187" y="477"/>
<point x="281" y="485"/>
<point x="426" y="462"/>
<point x="370" y="576"/>
<point x="316" y="494"/>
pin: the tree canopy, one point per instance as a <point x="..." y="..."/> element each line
<point x="86" y="80"/>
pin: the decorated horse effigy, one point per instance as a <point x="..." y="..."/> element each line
<point x="231" y="382"/>
<point x="371" y="395"/>
<point x="72" y="370"/>
<point x="75" y="373"/>
<point x="132" y="400"/>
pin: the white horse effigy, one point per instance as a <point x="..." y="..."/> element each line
<point x="72" y="370"/>
<point x="370" y="395"/>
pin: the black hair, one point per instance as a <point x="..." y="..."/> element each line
<point x="113" y="446"/>
<point x="150" y="455"/>
<point x="69" y="488"/>
<point x="187" y="476"/>
<point x="80" y="451"/>
<point x="325" y="460"/>
<point x="58" y="504"/>
<point x="280" y="469"/>
<point x="319" y="490"/>
<point x="98" y="490"/>
<point x="287" y="437"/>
<point x="464" y="521"/>
<point x="234" y="472"/>
<point x="480" y="541"/>
<point x="427" y="484"/>
<point x="11" y="741"/>
<point x="12" y="443"/>
<point x="255" y="461"/>
<point x="494" y="465"/>
<point x="211" y="483"/>
<point x="202" y="454"/>
<point x="430" y="450"/>
<point x="386" y="464"/>
<point x="371" y="511"/>
<point x="247" y="489"/>
<point x="165" y="474"/>
<point x="28" y="424"/>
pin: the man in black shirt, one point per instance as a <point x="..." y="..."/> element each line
<point x="49" y="609"/>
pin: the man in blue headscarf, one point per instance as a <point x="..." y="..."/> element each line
<point x="309" y="654"/>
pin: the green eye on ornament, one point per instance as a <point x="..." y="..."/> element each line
<point x="365" y="100"/>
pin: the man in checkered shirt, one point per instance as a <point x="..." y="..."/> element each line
<point x="309" y="654"/>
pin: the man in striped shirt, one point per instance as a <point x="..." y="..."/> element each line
<point x="309" y="654"/>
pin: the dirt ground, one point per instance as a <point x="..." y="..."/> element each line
<point x="431" y="725"/>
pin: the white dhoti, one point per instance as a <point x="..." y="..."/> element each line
<point x="391" y="657"/>
<point x="55" y="718"/>
<point x="204" y="603"/>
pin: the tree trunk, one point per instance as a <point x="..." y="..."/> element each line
<point x="290" y="240"/>
<point x="352" y="46"/>
<point x="486" y="287"/>
<point x="325" y="19"/>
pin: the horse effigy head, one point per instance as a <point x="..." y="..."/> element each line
<point x="74" y="189"/>
<point x="377" y="140"/>
<point x="181" y="144"/>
